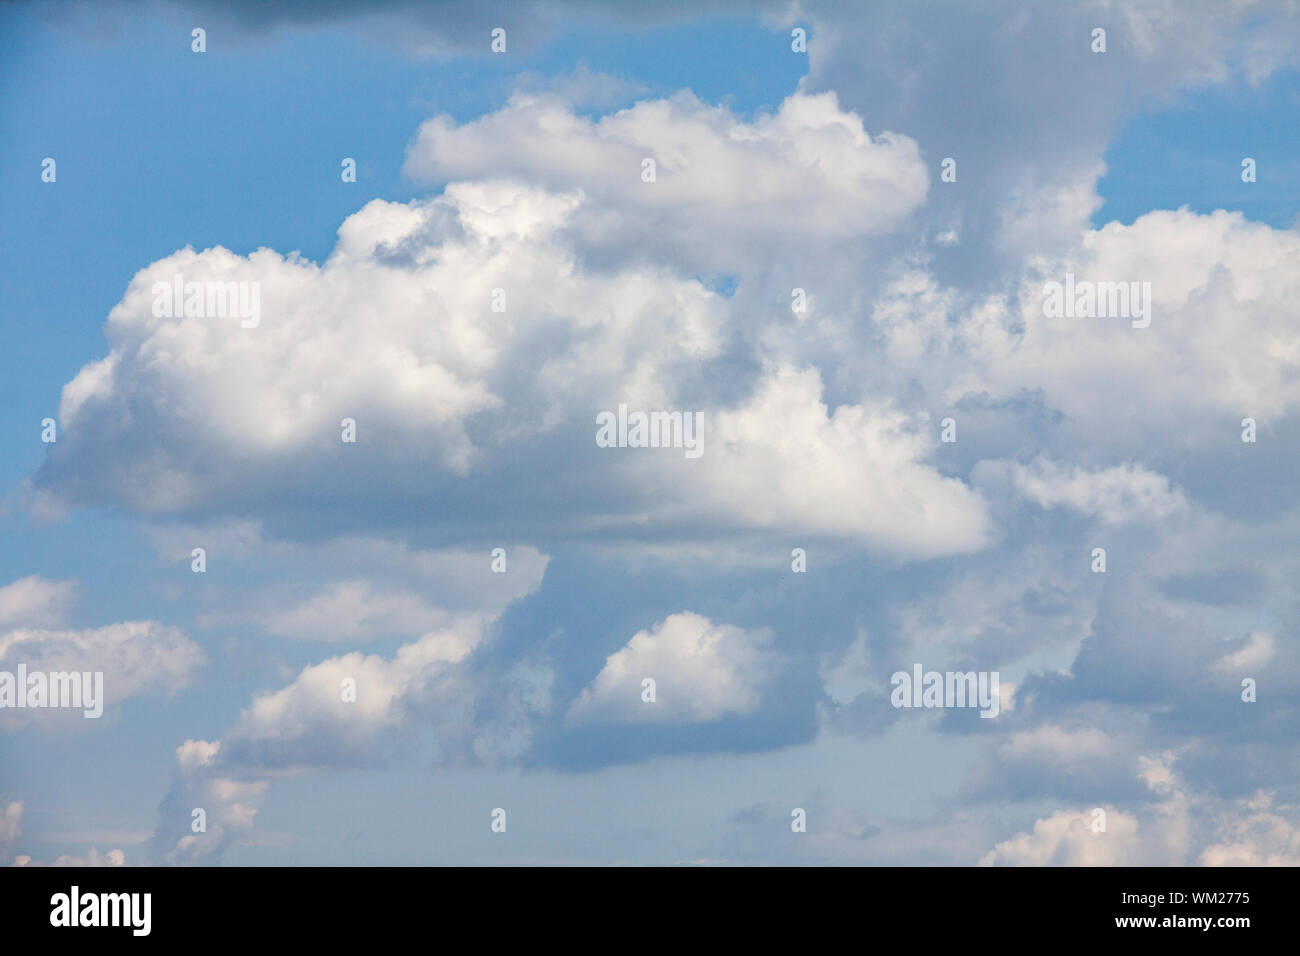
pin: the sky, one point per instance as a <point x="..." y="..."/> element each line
<point x="839" y="262"/>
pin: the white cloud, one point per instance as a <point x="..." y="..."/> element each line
<point x="309" y="721"/>
<point x="135" y="657"/>
<point x="35" y="602"/>
<point x="1247" y="832"/>
<point x="1112" y="495"/>
<point x="92" y="858"/>
<point x="11" y="815"/>
<point x="351" y="710"/>
<point x="395" y="331"/>
<point x="1066" y="838"/>
<point x="1255" y="652"/>
<point x="229" y="805"/>
<point x="810" y="169"/>
<point x="702" y="672"/>
<point x="784" y="460"/>
<point x="1262" y="835"/>
<point x="1221" y="343"/>
<point x="352" y="610"/>
<point x="1058" y="745"/>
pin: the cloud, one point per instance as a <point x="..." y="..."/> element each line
<point x="1177" y="829"/>
<point x="1255" y="653"/>
<point x="352" y="710"/>
<point x="1056" y="743"/>
<point x="1264" y="835"/>
<point x="1112" y="495"/>
<point x="229" y="806"/>
<point x="808" y="170"/>
<point x="314" y="720"/>
<point x="135" y="657"/>
<point x="1066" y="838"/>
<point x="1197" y="367"/>
<point x="373" y="586"/>
<point x="583" y="87"/>
<point x="785" y="460"/>
<point x="351" y="610"/>
<point x="702" y="671"/>
<point x="455" y="403"/>
<point x="35" y="602"/>
<point x="1030" y="189"/>
<point x="11" y="815"/>
<point x="93" y="859"/>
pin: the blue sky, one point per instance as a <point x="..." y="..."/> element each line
<point x="965" y="556"/>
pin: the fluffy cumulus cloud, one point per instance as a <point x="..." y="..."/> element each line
<point x="1068" y="838"/>
<point x="1112" y="495"/>
<point x="35" y="601"/>
<point x="1176" y="828"/>
<point x="352" y="710"/>
<point x="786" y="460"/>
<point x="1220" y="344"/>
<point x="206" y="810"/>
<point x="475" y="336"/>
<point x="334" y="710"/>
<point x="701" y="671"/>
<point x="1218" y="348"/>
<point x="808" y="170"/>
<point x="1259" y="833"/>
<point x="134" y="657"/>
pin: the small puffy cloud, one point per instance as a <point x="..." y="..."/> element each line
<point x="11" y="815"/>
<point x="1253" y="654"/>
<point x="347" y="711"/>
<point x="35" y="602"/>
<point x="135" y="657"/>
<point x="1112" y="495"/>
<point x="92" y="859"/>
<point x="229" y="807"/>
<point x="1261" y="835"/>
<point x="333" y="710"/>
<point x="1057" y="744"/>
<point x="1067" y="838"/>
<point x="702" y="672"/>
<point x="1176" y="828"/>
